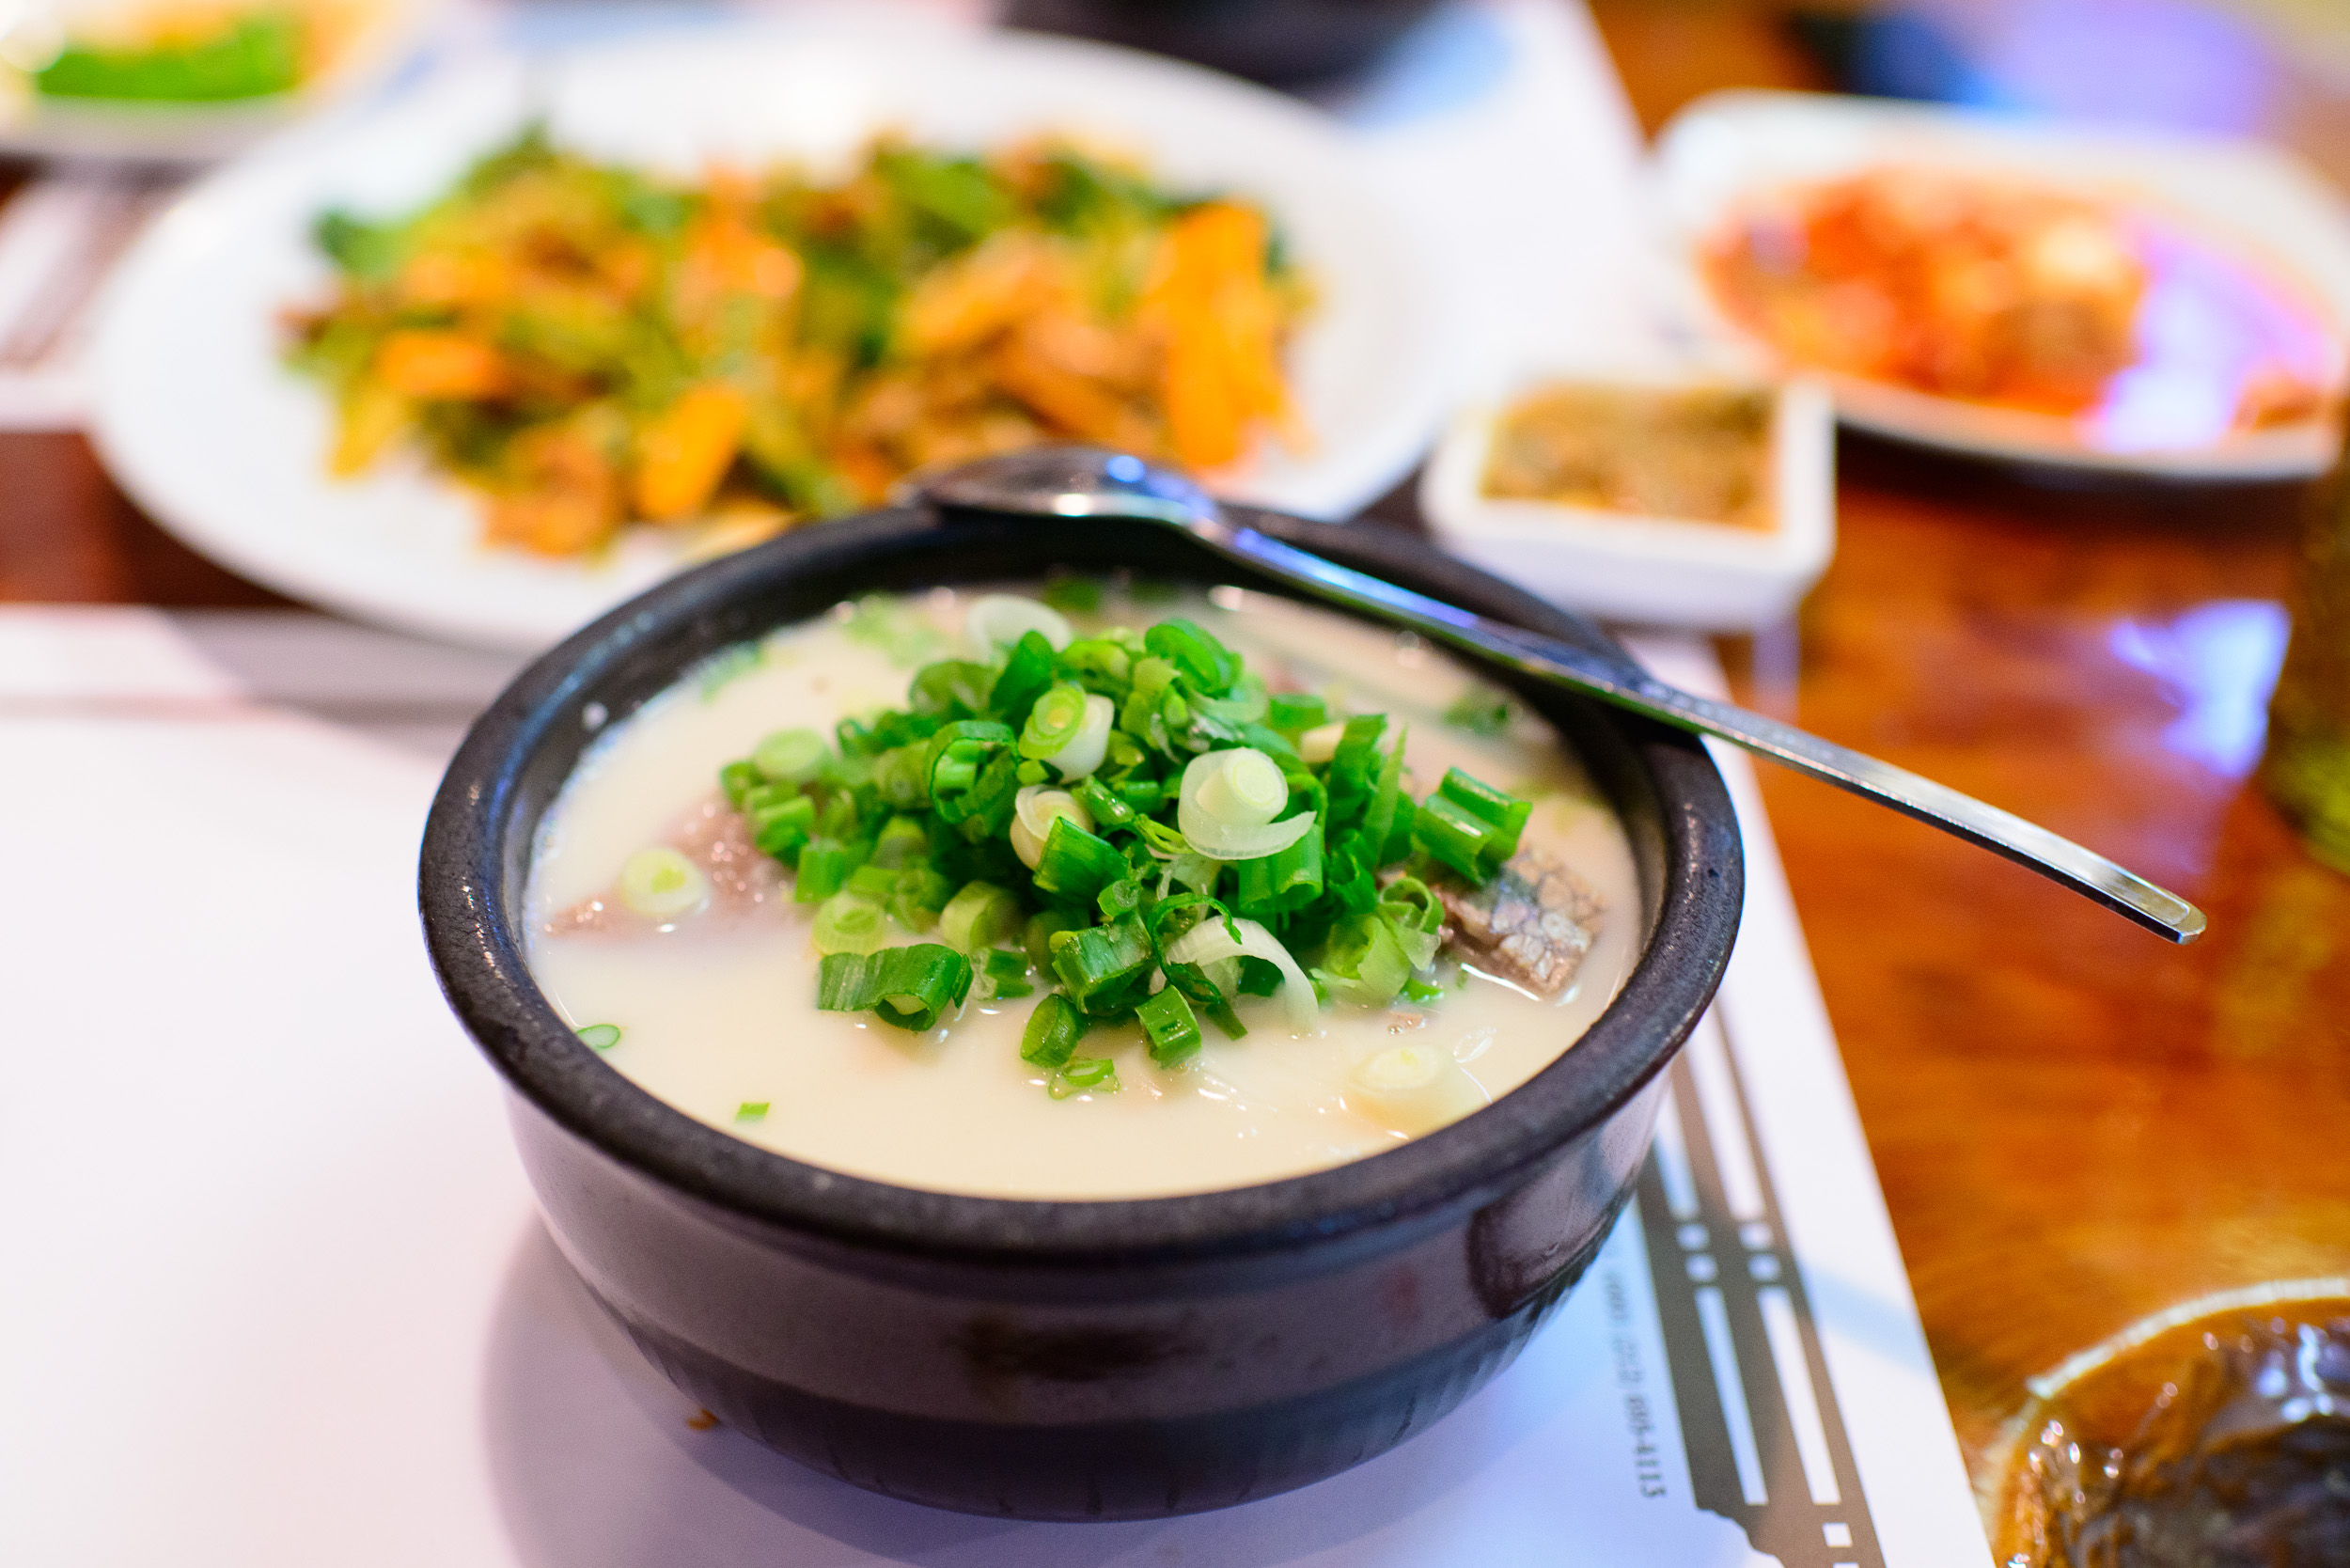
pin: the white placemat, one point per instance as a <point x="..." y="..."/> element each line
<point x="277" y="1296"/>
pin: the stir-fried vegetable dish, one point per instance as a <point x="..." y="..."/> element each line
<point x="590" y="345"/>
<point x="1127" y="821"/>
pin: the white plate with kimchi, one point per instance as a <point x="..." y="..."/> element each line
<point x="491" y="361"/>
<point x="2094" y="299"/>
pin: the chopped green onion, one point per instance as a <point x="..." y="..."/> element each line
<point x="849" y="922"/>
<point x="1418" y="990"/>
<point x="824" y="868"/>
<point x="996" y="622"/>
<point x="1355" y="767"/>
<point x="663" y="884"/>
<point x="869" y="881"/>
<point x="1053" y="1032"/>
<point x="736" y="780"/>
<point x="1073" y="595"/>
<point x="780" y="822"/>
<point x="951" y="688"/>
<point x="1168" y="1022"/>
<point x="1004" y="974"/>
<point x="1123" y="897"/>
<point x="1075" y="864"/>
<point x="1212" y="940"/>
<point x="1203" y="994"/>
<point x="1108" y="808"/>
<point x="1481" y="710"/>
<point x="905" y="987"/>
<point x="920" y="896"/>
<point x="1104" y="968"/>
<point x="1068" y="728"/>
<point x="1470" y="826"/>
<point x="751" y="1110"/>
<point x="1037" y="940"/>
<point x="1228" y="802"/>
<point x="599" y="1037"/>
<point x="791" y="756"/>
<point x="957" y="763"/>
<point x="979" y="917"/>
<point x="900" y="776"/>
<point x="882" y="621"/>
<point x="904" y="843"/>
<point x="1083" y="1075"/>
<point x="1363" y="962"/>
<point x="1028" y="674"/>
<point x="1294" y="713"/>
<point x="1504" y="811"/>
<point x="1285" y="880"/>
<point x="1036" y="810"/>
<point x="1205" y="662"/>
<point x="1443" y="831"/>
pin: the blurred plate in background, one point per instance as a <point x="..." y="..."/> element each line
<point x="2228" y="231"/>
<point x="351" y="47"/>
<point x="202" y="424"/>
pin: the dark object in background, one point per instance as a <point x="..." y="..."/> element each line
<point x="1283" y="42"/>
<point x="1892" y="54"/>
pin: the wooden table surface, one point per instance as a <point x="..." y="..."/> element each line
<point x="2075" y="1123"/>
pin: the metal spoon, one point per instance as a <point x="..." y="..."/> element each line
<point x="1081" y="481"/>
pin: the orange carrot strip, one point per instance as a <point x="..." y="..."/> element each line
<point x="440" y="365"/>
<point x="684" y="453"/>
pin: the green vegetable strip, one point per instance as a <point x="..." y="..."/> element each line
<point x="1169" y="1026"/>
<point x="906" y="987"/>
<point x="824" y="868"/>
<point x="1007" y="974"/>
<point x="600" y="1037"/>
<point x="1053" y="723"/>
<point x="780" y="822"/>
<point x="751" y="1110"/>
<point x="1037" y="940"/>
<point x="1082" y="1073"/>
<point x="1077" y="865"/>
<point x="919" y="898"/>
<point x="869" y="881"/>
<point x="979" y="917"/>
<point x="1053" y="1032"/>
<point x="1504" y="813"/>
<point x="737" y="779"/>
<point x="1028" y="675"/>
<point x="1202" y="991"/>
<point x="1294" y="713"/>
<point x="1443" y="831"/>
<point x="1286" y="880"/>
<point x="1355" y="770"/>
<point x="790" y="756"/>
<point x="1104" y="968"/>
<point x="902" y="842"/>
<point x="849" y="923"/>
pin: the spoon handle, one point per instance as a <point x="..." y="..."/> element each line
<point x="2026" y="844"/>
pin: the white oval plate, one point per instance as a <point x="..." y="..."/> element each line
<point x="2246" y="199"/>
<point x="200" y="422"/>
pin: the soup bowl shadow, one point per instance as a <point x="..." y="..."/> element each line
<point x="1119" y="1359"/>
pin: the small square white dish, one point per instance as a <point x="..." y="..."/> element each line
<point x="2247" y="203"/>
<point x="1631" y="567"/>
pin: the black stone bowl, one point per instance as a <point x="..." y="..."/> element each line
<point x="1063" y="1361"/>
